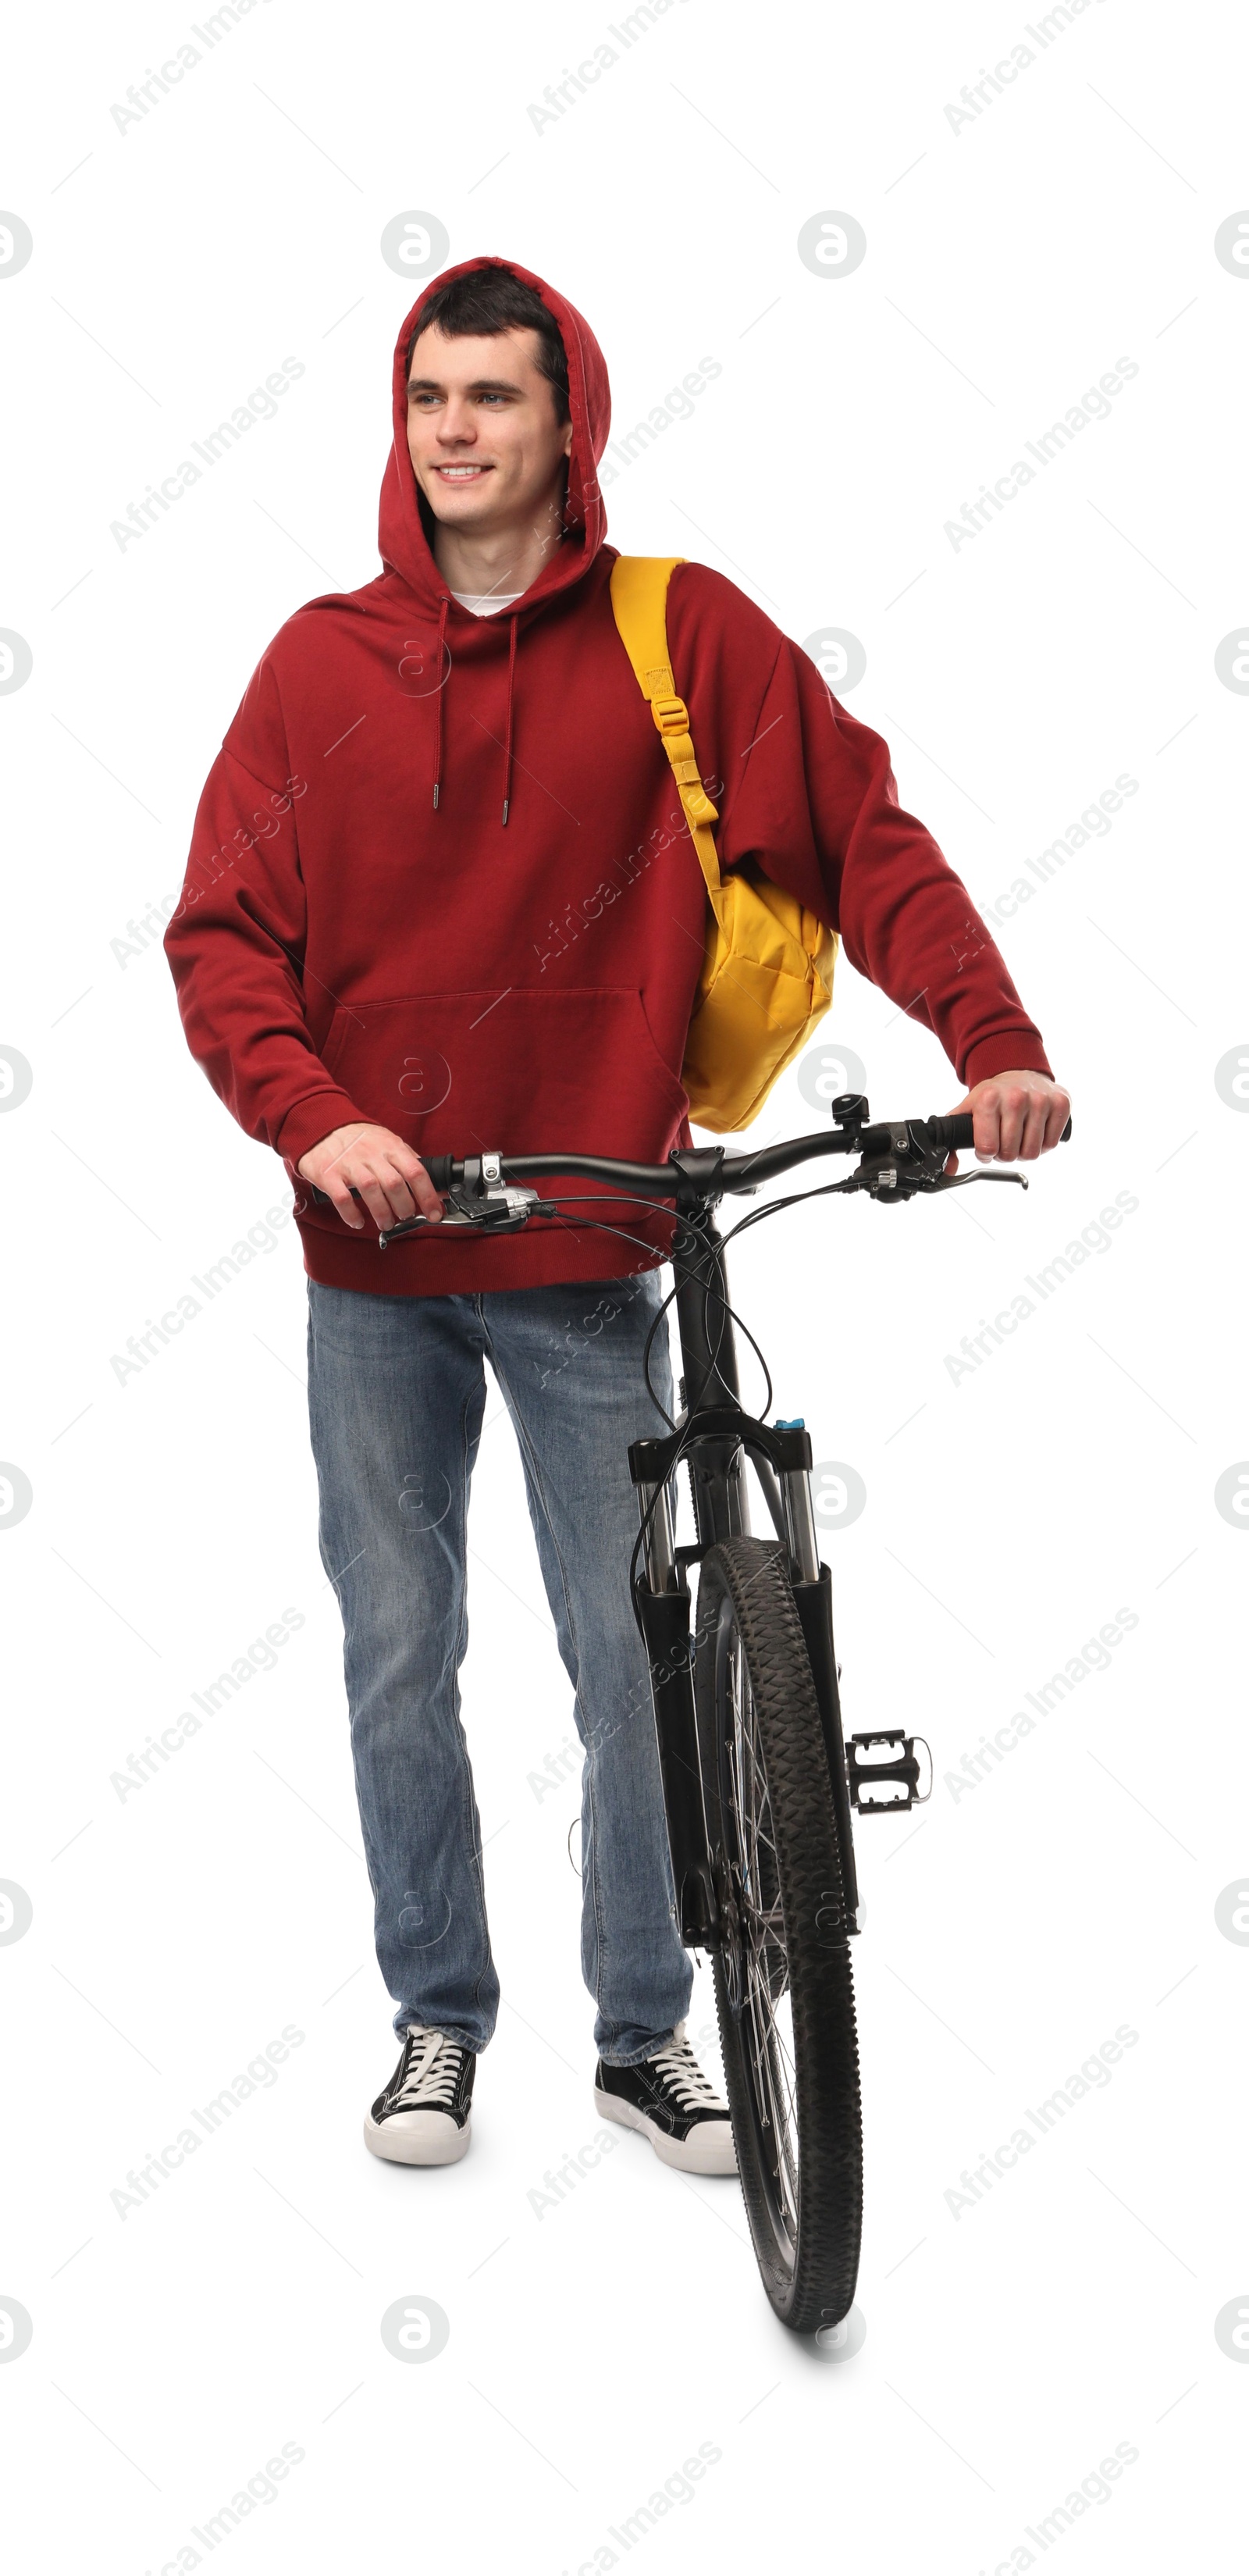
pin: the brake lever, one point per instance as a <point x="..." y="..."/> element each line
<point x="501" y="1209"/>
<point x="423" y="1225"/>
<point x="891" y="1180"/>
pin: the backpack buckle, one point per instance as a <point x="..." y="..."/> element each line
<point x="672" y="717"/>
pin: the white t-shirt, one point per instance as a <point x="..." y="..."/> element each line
<point x="485" y="603"/>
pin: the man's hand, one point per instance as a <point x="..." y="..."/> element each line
<point x="391" y="1179"/>
<point x="1017" y="1116"/>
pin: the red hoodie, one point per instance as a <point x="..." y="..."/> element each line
<point x="440" y="878"/>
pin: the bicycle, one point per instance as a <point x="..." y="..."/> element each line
<point x="759" y="1784"/>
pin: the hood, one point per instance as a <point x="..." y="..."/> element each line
<point x="401" y="538"/>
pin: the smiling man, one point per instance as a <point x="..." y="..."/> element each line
<point x="441" y="898"/>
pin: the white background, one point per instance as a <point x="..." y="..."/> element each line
<point x="592" y="2348"/>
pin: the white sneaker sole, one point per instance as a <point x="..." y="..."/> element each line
<point x="417" y="2138"/>
<point x="708" y="2149"/>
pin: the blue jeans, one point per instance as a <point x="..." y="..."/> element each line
<point x="396" y="1396"/>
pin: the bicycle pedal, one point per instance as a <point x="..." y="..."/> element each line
<point x="896" y="1781"/>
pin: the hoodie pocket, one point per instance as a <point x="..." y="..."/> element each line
<point x="571" y="1069"/>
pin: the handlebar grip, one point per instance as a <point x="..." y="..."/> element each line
<point x="956" y="1134"/>
<point x="438" y="1167"/>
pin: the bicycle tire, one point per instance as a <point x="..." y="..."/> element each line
<point x="764" y="1764"/>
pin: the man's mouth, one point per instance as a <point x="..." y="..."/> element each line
<point x="462" y="473"/>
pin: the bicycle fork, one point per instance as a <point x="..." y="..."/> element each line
<point x="715" y="1434"/>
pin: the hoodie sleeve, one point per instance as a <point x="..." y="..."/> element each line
<point x="808" y="794"/>
<point x="236" y="941"/>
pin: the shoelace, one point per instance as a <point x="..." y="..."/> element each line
<point x="678" y="2068"/>
<point x="431" y="2072"/>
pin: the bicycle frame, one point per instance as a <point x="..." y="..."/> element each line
<point x="715" y="1434"/>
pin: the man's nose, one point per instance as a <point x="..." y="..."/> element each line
<point x="456" y="425"/>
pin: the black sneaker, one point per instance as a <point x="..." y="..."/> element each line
<point x="424" y="2116"/>
<point x="669" y="2099"/>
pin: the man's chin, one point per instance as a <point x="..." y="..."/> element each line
<point x="463" y="506"/>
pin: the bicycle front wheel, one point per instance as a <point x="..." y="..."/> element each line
<point x="784" y="1990"/>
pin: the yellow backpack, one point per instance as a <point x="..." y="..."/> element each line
<point x="767" y="969"/>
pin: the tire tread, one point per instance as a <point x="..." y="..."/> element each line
<point x="819" y="2290"/>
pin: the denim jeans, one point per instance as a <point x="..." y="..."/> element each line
<point x="396" y="1396"/>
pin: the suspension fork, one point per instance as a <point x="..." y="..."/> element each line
<point x="663" y="1596"/>
<point x="717" y="1477"/>
<point x="721" y="1511"/>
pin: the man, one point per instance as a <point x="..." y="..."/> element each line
<point x="440" y="898"/>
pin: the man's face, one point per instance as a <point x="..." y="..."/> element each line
<point x="486" y="446"/>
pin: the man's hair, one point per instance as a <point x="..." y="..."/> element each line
<point x="491" y="300"/>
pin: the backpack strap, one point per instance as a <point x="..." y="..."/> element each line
<point x="639" y="591"/>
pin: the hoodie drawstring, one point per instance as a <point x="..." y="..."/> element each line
<point x="442" y="647"/>
<point x="507" y="748"/>
<point x="511" y="696"/>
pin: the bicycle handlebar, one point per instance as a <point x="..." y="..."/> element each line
<point x="898" y="1159"/>
<point x="737" y="1173"/>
